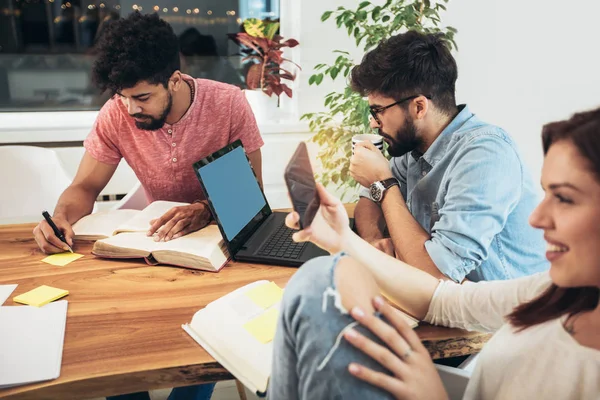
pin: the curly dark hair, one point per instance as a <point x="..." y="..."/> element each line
<point x="408" y="64"/>
<point x="134" y="49"/>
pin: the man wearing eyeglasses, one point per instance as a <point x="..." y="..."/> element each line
<point x="456" y="196"/>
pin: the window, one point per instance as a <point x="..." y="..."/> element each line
<point x="46" y="46"/>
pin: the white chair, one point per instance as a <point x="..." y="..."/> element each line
<point x="31" y="181"/>
<point x="134" y="200"/>
<point x="455" y="381"/>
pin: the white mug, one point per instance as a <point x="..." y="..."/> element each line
<point x="375" y="139"/>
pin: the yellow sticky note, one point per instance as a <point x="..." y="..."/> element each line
<point x="40" y="296"/>
<point x="265" y="295"/>
<point x="263" y="326"/>
<point x="62" y="259"/>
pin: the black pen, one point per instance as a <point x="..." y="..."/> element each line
<point x="57" y="231"/>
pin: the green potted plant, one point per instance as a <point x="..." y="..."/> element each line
<point x="262" y="49"/>
<point x="346" y="112"/>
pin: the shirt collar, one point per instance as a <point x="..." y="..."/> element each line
<point x="438" y="148"/>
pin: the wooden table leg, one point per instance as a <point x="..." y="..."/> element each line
<point x="241" y="390"/>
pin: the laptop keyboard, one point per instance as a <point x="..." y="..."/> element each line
<point x="281" y="245"/>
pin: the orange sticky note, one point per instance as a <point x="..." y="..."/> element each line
<point x="40" y="296"/>
<point x="263" y="326"/>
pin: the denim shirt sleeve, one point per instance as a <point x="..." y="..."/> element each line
<point x="399" y="167"/>
<point x="484" y="186"/>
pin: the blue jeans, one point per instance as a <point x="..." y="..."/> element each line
<point x="307" y="364"/>
<point x="195" y="392"/>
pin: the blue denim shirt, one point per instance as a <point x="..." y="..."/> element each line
<point x="472" y="192"/>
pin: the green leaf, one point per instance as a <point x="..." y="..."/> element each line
<point x="311" y="80"/>
<point x="399" y="18"/>
<point x="334" y="72"/>
<point x="361" y="15"/>
<point x="326" y="16"/>
<point x="363" y="5"/>
<point x="385" y="18"/>
<point x="359" y="39"/>
<point x="318" y="79"/>
<point x="375" y="13"/>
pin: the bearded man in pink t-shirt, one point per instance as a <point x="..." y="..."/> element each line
<point x="161" y="122"/>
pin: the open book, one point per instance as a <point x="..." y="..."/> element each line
<point x="203" y="249"/>
<point x="237" y="330"/>
<point x="122" y="234"/>
<point x="103" y="224"/>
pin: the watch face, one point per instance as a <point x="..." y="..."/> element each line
<point x="375" y="192"/>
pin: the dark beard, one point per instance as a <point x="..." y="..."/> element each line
<point x="406" y="140"/>
<point x="154" y="124"/>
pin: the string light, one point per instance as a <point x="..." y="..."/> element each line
<point x="165" y="9"/>
<point x="175" y="9"/>
<point x="209" y="12"/>
<point x="118" y="7"/>
<point x="156" y="8"/>
<point x="188" y="11"/>
<point x="196" y="10"/>
<point x="135" y="6"/>
<point x="102" y="5"/>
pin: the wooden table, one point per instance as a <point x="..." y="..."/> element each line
<point x="124" y="320"/>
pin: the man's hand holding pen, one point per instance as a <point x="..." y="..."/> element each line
<point x="49" y="239"/>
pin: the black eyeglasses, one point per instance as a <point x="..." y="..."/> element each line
<point x="375" y="110"/>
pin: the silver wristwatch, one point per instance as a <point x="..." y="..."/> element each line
<point x="377" y="189"/>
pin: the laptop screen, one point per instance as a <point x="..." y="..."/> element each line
<point x="232" y="189"/>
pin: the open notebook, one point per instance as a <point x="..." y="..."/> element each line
<point x="31" y="343"/>
<point x="238" y="329"/>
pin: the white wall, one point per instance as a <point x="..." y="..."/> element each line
<point x="317" y="42"/>
<point x="525" y="63"/>
<point x="521" y="63"/>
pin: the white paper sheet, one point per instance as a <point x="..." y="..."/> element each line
<point x="5" y="291"/>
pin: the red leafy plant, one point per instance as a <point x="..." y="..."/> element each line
<point x="262" y="48"/>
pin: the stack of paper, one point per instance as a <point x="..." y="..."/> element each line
<point x="31" y="343"/>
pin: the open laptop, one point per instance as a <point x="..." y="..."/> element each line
<point x="252" y="232"/>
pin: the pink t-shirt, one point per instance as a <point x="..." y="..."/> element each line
<point x="163" y="159"/>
